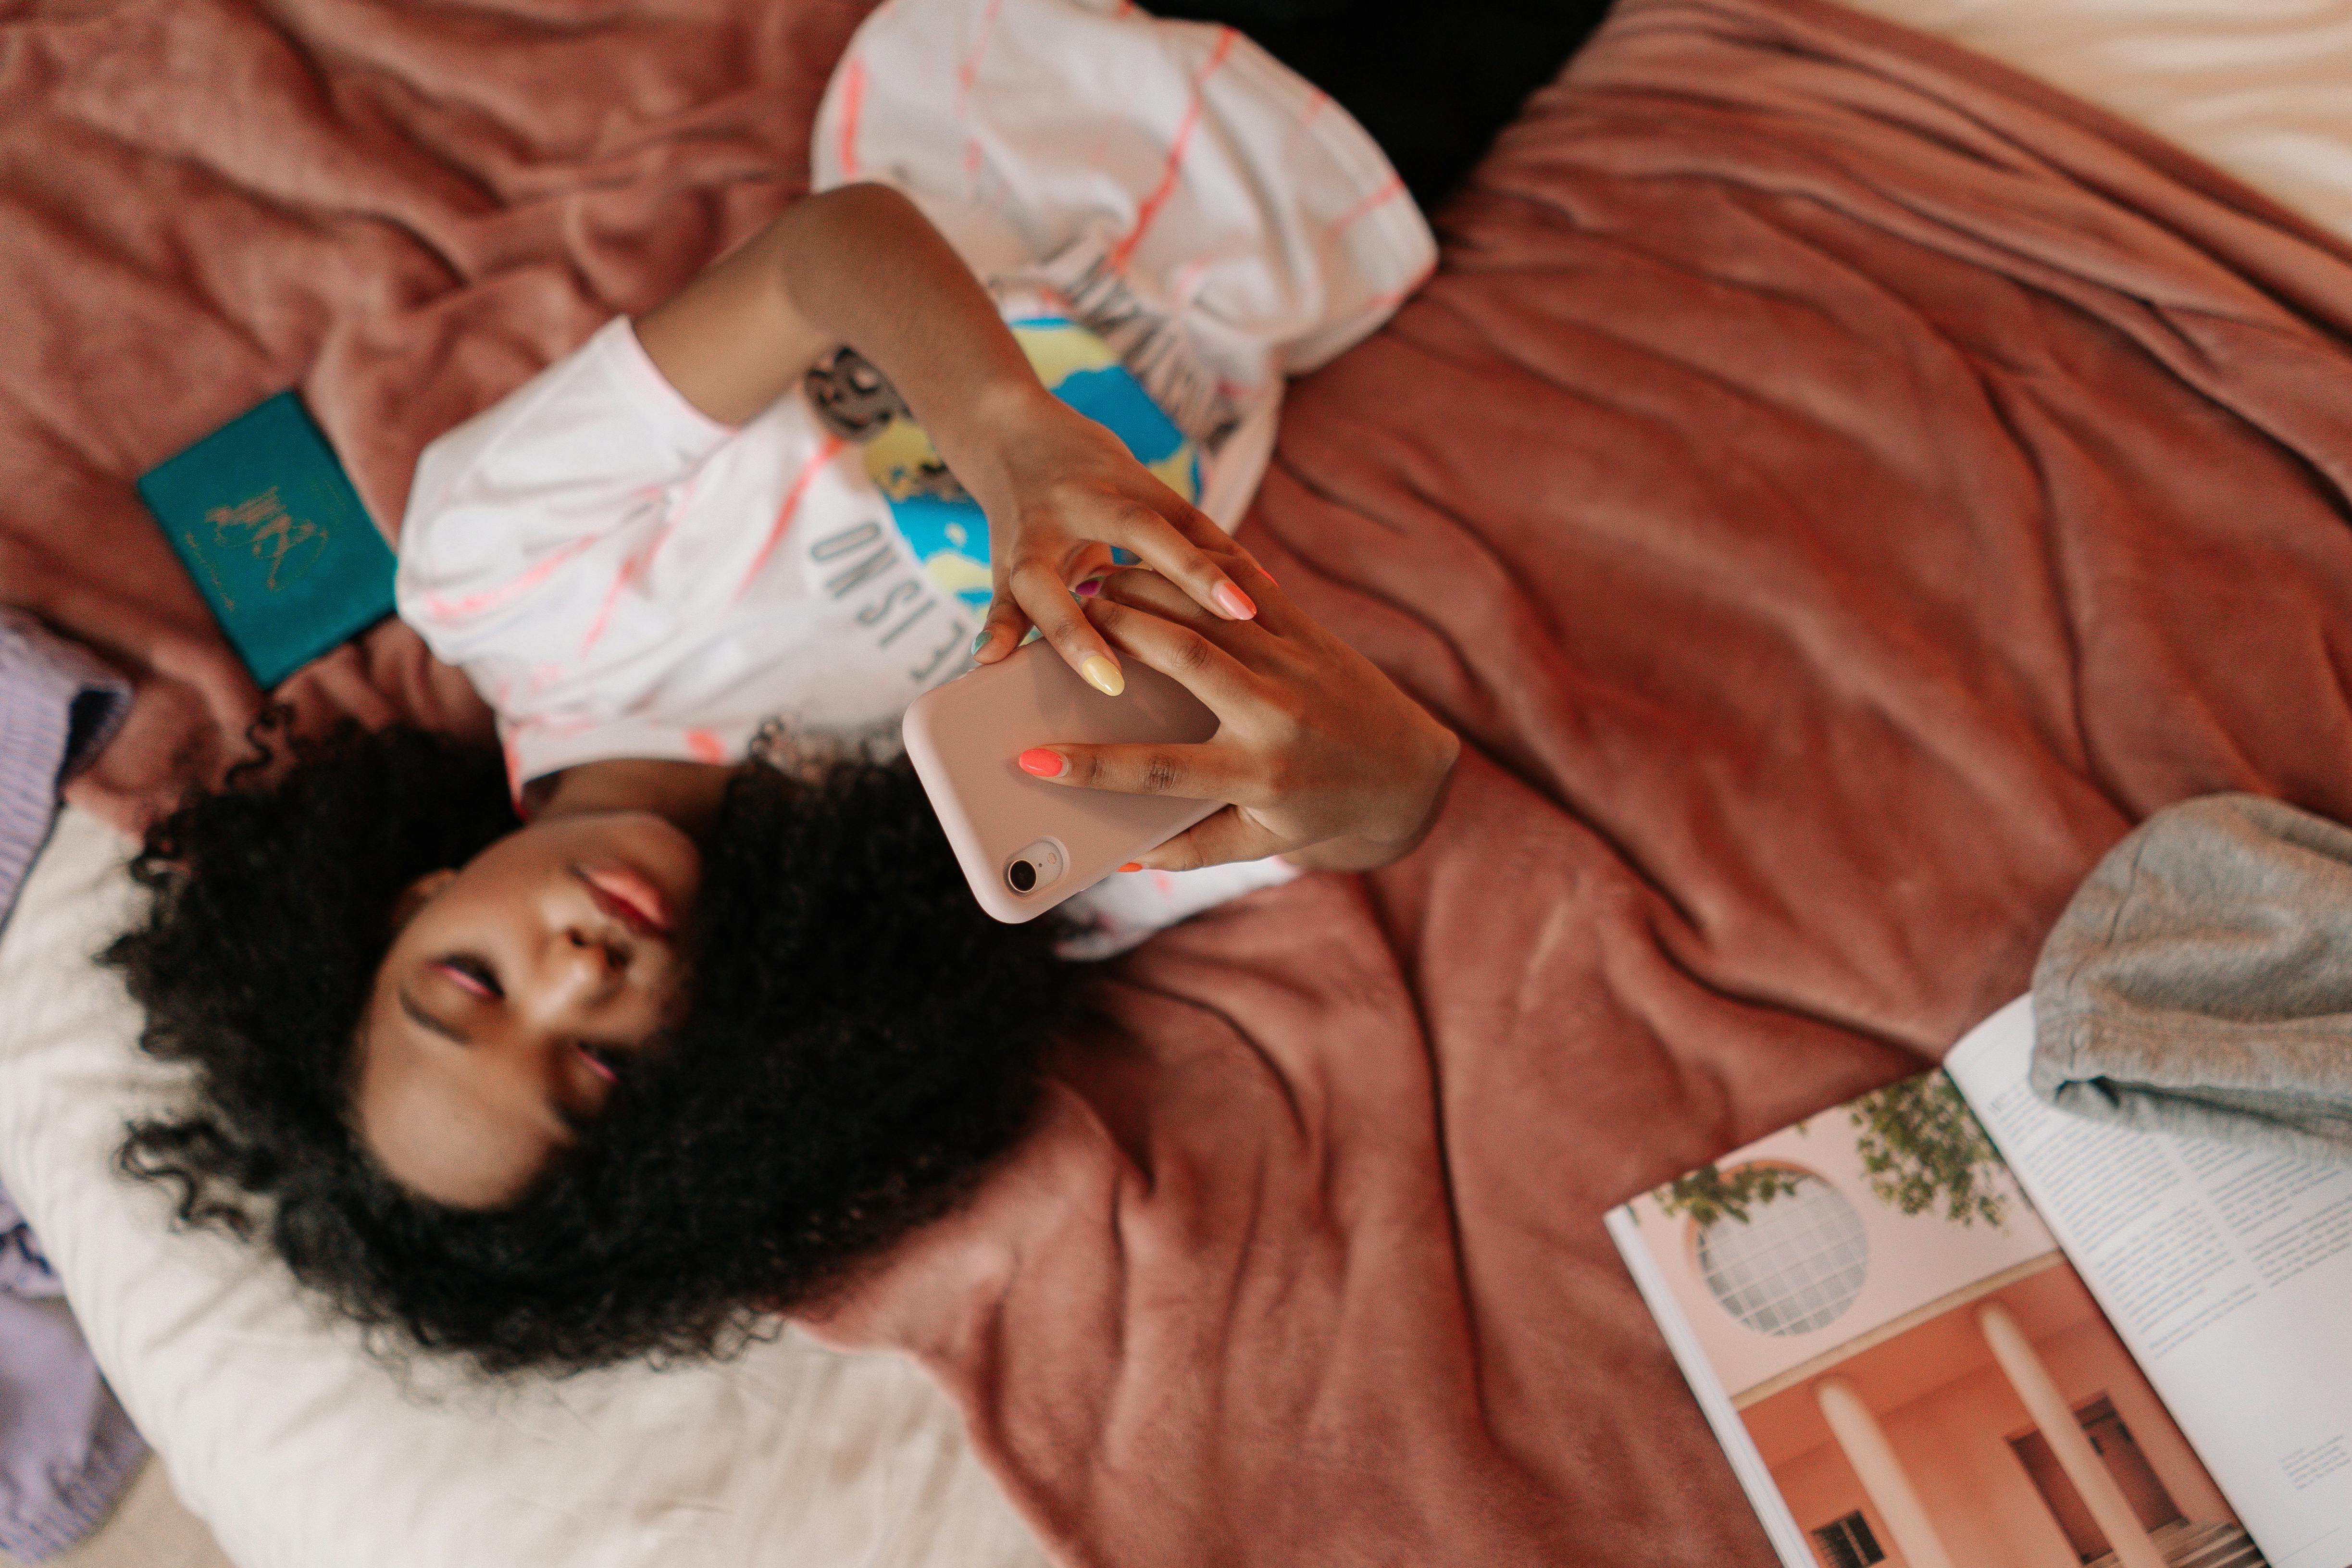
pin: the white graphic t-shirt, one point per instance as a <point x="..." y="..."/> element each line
<point x="1172" y="222"/>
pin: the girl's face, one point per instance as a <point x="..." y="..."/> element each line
<point x="515" y="992"/>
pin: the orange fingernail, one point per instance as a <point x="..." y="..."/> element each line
<point x="1233" y="601"/>
<point x="1132" y="865"/>
<point x="1045" y="764"/>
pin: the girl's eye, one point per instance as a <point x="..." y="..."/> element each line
<point x="471" y="973"/>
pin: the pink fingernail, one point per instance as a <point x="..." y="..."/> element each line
<point x="1233" y="601"/>
<point x="1089" y="588"/>
<point x="1045" y="764"/>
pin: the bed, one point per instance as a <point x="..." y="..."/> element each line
<point x="1305" y="1262"/>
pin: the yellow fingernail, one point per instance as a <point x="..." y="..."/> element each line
<point x="1103" y="675"/>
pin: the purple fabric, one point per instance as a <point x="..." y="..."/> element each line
<point x="59" y="707"/>
<point x="67" y="1450"/>
<point x="25" y="1271"/>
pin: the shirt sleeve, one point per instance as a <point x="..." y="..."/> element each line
<point x="524" y="522"/>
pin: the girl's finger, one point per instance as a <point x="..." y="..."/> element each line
<point x="1191" y="658"/>
<point x="1275" y="611"/>
<point x="1152" y="593"/>
<point x="1189" y="520"/>
<point x="1001" y="632"/>
<point x="1164" y="548"/>
<point x="1006" y="623"/>
<point x="1046" y="599"/>
<point x="1088" y="563"/>
<point x="1193" y="773"/>
<point x="1225" y="836"/>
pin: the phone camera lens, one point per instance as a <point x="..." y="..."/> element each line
<point x="1021" y="875"/>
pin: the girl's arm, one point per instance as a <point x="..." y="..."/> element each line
<point x="860" y="265"/>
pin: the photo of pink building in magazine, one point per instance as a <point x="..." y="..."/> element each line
<point x="1945" y="1326"/>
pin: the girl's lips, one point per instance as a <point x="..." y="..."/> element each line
<point x="629" y="897"/>
<point x="598" y="1064"/>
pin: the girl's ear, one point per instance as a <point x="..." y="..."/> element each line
<point x="419" y="893"/>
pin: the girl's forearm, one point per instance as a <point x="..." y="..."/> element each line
<point x="869" y="268"/>
<point x="857" y="265"/>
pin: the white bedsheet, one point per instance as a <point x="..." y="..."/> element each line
<point x="2259" y="88"/>
<point x="302" y="1454"/>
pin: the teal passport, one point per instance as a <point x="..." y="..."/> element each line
<point x="268" y="523"/>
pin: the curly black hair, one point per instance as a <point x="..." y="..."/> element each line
<point x="861" y="1041"/>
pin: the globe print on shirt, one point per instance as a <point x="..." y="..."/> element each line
<point x="939" y="518"/>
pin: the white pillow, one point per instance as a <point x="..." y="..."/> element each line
<point x="2256" y="88"/>
<point x="301" y="1451"/>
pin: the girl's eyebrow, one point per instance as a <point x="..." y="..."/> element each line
<point x="424" y="1020"/>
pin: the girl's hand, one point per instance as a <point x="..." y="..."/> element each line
<point x="1060" y="492"/>
<point x="1324" y="760"/>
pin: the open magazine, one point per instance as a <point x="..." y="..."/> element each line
<point x="1945" y="1326"/>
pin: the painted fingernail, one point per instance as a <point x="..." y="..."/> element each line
<point x="1233" y="601"/>
<point x="1103" y="675"/>
<point x="1132" y="865"/>
<point x="1089" y="588"/>
<point x="1045" y="764"/>
<point x="981" y="642"/>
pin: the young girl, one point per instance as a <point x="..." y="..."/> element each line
<point x="680" y="1007"/>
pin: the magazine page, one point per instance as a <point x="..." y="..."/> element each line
<point x="2227" y="1271"/>
<point x="1901" y="1362"/>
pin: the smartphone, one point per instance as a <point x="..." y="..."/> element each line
<point x="1026" y="844"/>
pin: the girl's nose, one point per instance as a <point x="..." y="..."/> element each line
<point x="607" y="959"/>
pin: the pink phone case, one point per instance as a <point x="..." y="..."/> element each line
<point x="963" y="737"/>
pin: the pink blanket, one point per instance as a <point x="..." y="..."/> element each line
<point x="1839" y="486"/>
<point x="1836" y="485"/>
<point x="402" y="210"/>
